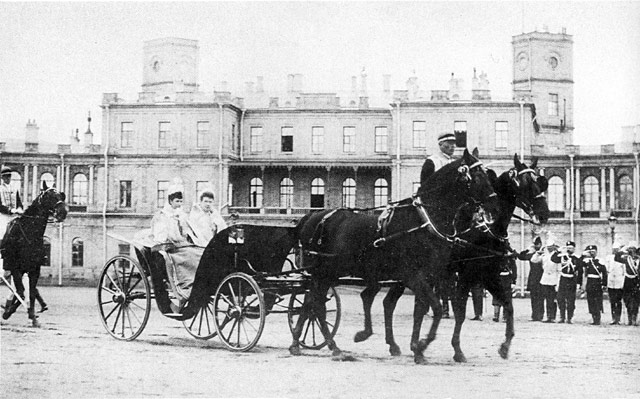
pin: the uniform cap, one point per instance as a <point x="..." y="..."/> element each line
<point x="6" y="170"/>
<point x="570" y="244"/>
<point x="632" y="244"/>
<point x="446" y="137"/>
<point x="591" y="248"/>
<point x="537" y="241"/>
<point x="617" y="245"/>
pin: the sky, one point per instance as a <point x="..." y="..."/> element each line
<point x="56" y="59"/>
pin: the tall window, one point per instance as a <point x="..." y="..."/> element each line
<point x="553" y="105"/>
<point x="317" y="193"/>
<point x="161" y="193"/>
<point x="125" y="193"/>
<point x="590" y="194"/>
<point x="502" y="134"/>
<point x="126" y="134"/>
<point x="419" y="134"/>
<point x="382" y="139"/>
<point x="255" y="140"/>
<point x="203" y="138"/>
<point x="46" y="246"/>
<point x="624" y="198"/>
<point x="380" y="192"/>
<point x="47" y="178"/>
<point x="80" y="189"/>
<point x="235" y="140"/>
<point x="77" y="252"/>
<point x="460" y="126"/>
<point x="286" y="139"/>
<point x="164" y="134"/>
<point x="317" y="139"/>
<point x="348" y="139"/>
<point x="255" y="192"/>
<point x="555" y="194"/>
<point x="349" y="193"/>
<point x="286" y="193"/>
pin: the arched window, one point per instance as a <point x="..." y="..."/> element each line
<point x="349" y="193"/>
<point x="46" y="245"/>
<point x="286" y="193"/>
<point x="47" y="178"/>
<point x="80" y="189"/>
<point x="624" y="195"/>
<point x="77" y="252"/>
<point x="590" y="194"/>
<point x="380" y="193"/>
<point x="555" y="194"/>
<point x="255" y="193"/>
<point x="317" y="193"/>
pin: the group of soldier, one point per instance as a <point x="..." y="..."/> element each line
<point x="556" y="273"/>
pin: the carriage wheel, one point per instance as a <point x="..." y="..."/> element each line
<point x="311" y="337"/>
<point x="240" y="312"/>
<point x="201" y="325"/>
<point x="124" y="298"/>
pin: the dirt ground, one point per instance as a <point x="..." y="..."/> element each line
<point x="72" y="356"/>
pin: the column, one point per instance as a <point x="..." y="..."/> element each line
<point x="67" y="171"/>
<point x="603" y="190"/>
<point x="91" y="171"/>
<point x="576" y="189"/>
<point x="35" y="187"/>
<point x="25" y="185"/>
<point x="612" y="188"/>
<point x="59" y="178"/>
<point x="568" y="189"/>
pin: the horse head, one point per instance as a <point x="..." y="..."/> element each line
<point x="50" y="203"/>
<point x="462" y="186"/>
<point x="527" y="187"/>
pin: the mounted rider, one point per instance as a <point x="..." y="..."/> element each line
<point x="10" y="201"/>
<point x="447" y="145"/>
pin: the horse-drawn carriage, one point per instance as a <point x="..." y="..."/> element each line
<point x="245" y="273"/>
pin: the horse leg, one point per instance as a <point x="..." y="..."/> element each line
<point x="390" y="301"/>
<point x="504" y="296"/>
<point x="367" y="295"/>
<point x="320" y="310"/>
<point x="294" y="348"/>
<point x="14" y="303"/>
<point x="33" y="293"/>
<point x="459" y="303"/>
<point x="424" y="296"/>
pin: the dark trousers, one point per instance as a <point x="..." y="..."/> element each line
<point x="594" y="296"/>
<point x="537" y="302"/>
<point x="567" y="297"/>
<point x="477" y="296"/>
<point x="631" y="296"/>
<point x="615" y="299"/>
<point x="549" y="296"/>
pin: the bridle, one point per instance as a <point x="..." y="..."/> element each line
<point x="522" y="201"/>
<point x="51" y="212"/>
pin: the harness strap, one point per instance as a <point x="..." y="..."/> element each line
<point x="319" y="230"/>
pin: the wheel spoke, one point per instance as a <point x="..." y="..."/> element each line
<point x="132" y="287"/>
<point x="105" y="288"/>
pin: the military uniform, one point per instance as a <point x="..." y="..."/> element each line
<point x="615" y="283"/>
<point x="508" y="276"/>
<point x="533" y="281"/>
<point x="570" y="279"/>
<point x="549" y="283"/>
<point x="596" y="274"/>
<point x="631" y="286"/>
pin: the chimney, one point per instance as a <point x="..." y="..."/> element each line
<point x="259" y="84"/>
<point x="297" y="82"/>
<point x="31" y="132"/>
<point x="248" y="87"/>
<point x="363" y="83"/>
<point x="386" y="84"/>
<point x="289" y="83"/>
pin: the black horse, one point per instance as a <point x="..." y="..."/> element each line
<point x="520" y="187"/>
<point x="478" y="257"/>
<point x="22" y="247"/>
<point x="339" y="243"/>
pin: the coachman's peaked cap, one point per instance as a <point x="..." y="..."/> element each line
<point x="6" y="170"/>
<point x="446" y="137"/>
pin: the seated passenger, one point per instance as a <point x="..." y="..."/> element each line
<point x="205" y="221"/>
<point x="170" y="224"/>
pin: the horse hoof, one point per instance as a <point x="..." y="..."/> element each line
<point x="504" y="351"/>
<point x="295" y="350"/>
<point x="460" y="358"/>
<point x="336" y="352"/>
<point x="422" y="345"/>
<point x="419" y="359"/>
<point x="362" y="336"/>
<point x="394" y="350"/>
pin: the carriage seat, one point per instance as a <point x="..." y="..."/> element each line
<point x="181" y="263"/>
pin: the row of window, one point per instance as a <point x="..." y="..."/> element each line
<point x="380" y="193"/>
<point x="381" y="137"/>
<point x="420" y="133"/>
<point x="590" y="194"/>
<point x="167" y="140"/>
<point x="79" y="186"/>
<point x="77" y="252"/>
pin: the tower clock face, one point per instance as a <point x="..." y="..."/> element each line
<point x="522" y="61"/>
<point x="155" y="65"/>
<point x="553" y="62"/>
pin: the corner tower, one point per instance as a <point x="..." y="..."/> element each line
<point x="170" y="65"/>
<point x="543" y="75"/>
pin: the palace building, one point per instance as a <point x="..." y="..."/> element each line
<point x="272" y="157"/>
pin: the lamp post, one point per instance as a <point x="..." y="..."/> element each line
<point x="612" y="225"/>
